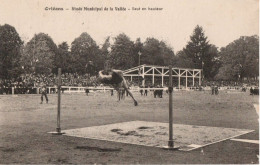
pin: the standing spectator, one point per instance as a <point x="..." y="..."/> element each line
<point x="44" y="93"/>
<point x="87" y="91"/>
<point x="216" y="90"/>
<point x="145" y="91"/>
<point x="251" y="91"/>
<point x="213" y="89"/>
<point x="161" y="92"/>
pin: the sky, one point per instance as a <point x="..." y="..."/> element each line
<point x="223" y="21"/>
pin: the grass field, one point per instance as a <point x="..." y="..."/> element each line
<point x="24" y="124"/>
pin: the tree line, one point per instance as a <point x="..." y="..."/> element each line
<point x="237" y="60"/>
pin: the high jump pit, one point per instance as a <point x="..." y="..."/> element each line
<point x="156" y="134"/>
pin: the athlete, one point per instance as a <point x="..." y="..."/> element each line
<point x="116" y="79"/>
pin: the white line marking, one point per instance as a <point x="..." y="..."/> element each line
<point x="246" y="141"/>
<point x="194" y="146"/>
<point x="245" y="132"/>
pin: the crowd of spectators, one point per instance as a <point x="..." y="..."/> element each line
<point x="28" y="83"/>
<point x="230" y="83"/>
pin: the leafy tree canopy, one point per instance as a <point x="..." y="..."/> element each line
<point x="63" y="58"/>
<point x="242" y="57"/>
<point x="83" y="50"/>
<point x="181" y="60"/>
<point x="121" y="56"/>
<point x="39" y="54"/>
<point x="156" y="52"/>
<point x="10" y="52"/>
<point x="201" y="52"/>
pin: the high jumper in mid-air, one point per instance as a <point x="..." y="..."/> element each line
<point x="116" y="79"/>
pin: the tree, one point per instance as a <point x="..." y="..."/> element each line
<point x="151" y="52"/>
<point x="226" y="72"/>
<point x="157" y="52"/>
<point x="83" y="50"/>
<point x="63" y="59"/>
<point x="241" y="57"/>
<point x="181" y="60"/>
<point x="39" y="54"/>
<point x="10" y="52"/>
<point x="121" y="56"/>
<point x="167" y="53"/>
<point x="212" y="62"/>
<point x="198" y="50"/>
<point x="138" y="47"/>
<point x="105" y="50"/>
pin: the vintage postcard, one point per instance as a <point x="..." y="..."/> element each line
<point x="129" y="82"/>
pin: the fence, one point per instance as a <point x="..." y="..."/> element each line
<point x="71" y="89"/>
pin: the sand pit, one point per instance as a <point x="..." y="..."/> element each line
<point x="155" y="134"/>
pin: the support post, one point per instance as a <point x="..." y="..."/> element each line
<point x="186" y="79"/>
<point x="162" y="75"/>
<point x="58" y="129"/>
<point x="179" y="80"/>
<point x="170" y="142"/>
<point x="200" y="78"/>
<point x="138" y="75"/>
<point x="193" y="83"/>
<point x="143" y="82"/>
<point x="153" y="76"/>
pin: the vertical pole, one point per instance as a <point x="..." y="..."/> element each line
<point x="58" y="129"/>
<point x="170" y="142"/>
<point x="138" y="67"/>
<point x="138" y="76"/>
<point x="193" y="79"/>
<point x="153" y="76"/>
<point x="143" y="82"/>
<point x="162" y="81"/>
<point x="179" y="80"/>
<point x="186" y="79"/>
<point x="200" y="78"/>
<point x="162" y="75"/>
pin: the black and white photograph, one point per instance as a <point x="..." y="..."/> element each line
<point x="129" y="82"/>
